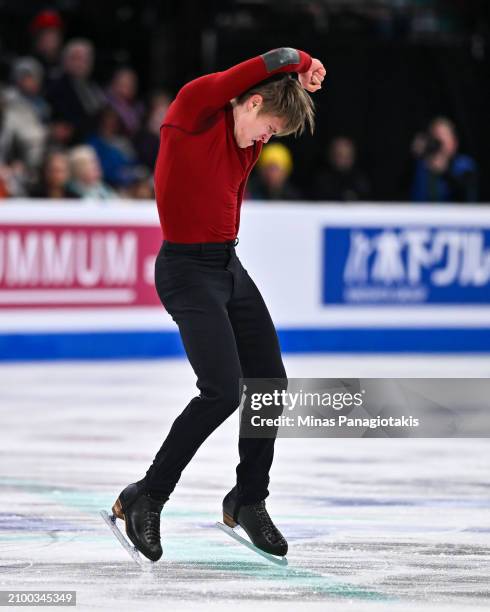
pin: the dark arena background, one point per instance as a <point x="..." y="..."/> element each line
<point x="370" y="242"/>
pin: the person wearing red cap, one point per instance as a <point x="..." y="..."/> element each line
<point x="47" y="31"/>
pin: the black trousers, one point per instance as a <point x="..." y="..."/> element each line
<point x="227" y="333"/>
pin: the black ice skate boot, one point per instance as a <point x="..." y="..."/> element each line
<point x="141" y="514"/>
<point x="255" y="520"/>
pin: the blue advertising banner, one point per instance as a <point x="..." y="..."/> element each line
<point x="406" y="265"/>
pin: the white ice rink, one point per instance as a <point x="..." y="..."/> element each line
<point x="372" y="524"/>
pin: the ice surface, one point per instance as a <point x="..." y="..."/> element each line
<point x="373" y="525"/>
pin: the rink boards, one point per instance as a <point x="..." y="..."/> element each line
<point x="76" y="280"/>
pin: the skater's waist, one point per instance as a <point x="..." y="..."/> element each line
<point x="199" y="247"/>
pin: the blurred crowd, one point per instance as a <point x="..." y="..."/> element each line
<point x="64" y="136"/>
<point x="438" y="172"/>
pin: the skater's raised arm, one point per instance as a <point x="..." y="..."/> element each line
<point x="200" y="99"/>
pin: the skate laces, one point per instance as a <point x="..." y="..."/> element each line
<point x="267" y="527"/>
<point x="151" y="526"/>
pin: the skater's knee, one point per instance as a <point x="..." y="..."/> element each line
<point x="230" y="397"/>
<point x="225" y="395"/>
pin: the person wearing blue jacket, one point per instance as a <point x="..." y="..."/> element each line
<point x="442" y="174"/>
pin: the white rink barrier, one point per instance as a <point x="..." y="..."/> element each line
<point x="76" y="280"/>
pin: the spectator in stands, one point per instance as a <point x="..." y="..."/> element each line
<point x="75" y="98"/>
<point x="47" y="30"/>
<point x="86" y="175"/>
<point x="55" y="177"/>
<point x="147" y="140"/>
<point x="442" y="174"/>
<point x="22" y="142"/>
<point x="27" y="76"/>
<point x="271" y="181"/>
<point x="141" y="186"/>
<point x="341" y="180"/>
<point x="121" y="96"/>
<point x="114" y="150"/>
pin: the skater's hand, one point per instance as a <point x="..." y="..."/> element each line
<point x="313" y="78"/>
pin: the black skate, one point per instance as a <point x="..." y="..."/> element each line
<point x="141" y="515"/>
<point x="256" y="522"/>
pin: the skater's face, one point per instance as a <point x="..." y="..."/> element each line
<point x="252" y="125"/>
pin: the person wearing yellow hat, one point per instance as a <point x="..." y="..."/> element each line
<point x="271" y="181"/>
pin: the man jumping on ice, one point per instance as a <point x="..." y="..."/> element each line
<point x="211" y="138"/>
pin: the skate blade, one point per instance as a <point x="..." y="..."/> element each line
<point x="110" y="521"/>
<point x="282" y="561"/>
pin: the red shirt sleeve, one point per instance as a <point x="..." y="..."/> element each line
<point x="201" y="98"/>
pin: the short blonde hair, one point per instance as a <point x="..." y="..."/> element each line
<point x="285" y="98"/>
<point x="79" y="156"/>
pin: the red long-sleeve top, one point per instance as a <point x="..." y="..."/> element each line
<point x="201" y="172"/>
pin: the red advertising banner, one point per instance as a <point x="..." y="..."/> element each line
<point x="60" y="266"/>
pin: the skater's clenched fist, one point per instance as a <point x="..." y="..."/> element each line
<point x="312" y="79"/>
